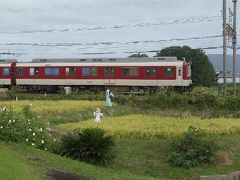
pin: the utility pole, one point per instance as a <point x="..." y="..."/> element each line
<point x="224" y="46"/>
<point x="234" y="44"/>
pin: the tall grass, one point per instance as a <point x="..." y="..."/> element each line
<point x="41" y="106"/>
<point x="150" y="126"/>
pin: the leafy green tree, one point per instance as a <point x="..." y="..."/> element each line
<point x="202" y="69"/>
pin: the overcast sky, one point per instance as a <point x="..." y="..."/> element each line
<point x="107" y="28"/>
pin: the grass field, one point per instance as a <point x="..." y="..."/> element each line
<point x="141" y="126"/>
<point x="142" y="143"/>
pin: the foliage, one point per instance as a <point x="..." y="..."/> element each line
<point x="202" y="68"/>
<point x="24" y="127"/>
<point x="193" y="149"/>
<point x="91" y="145"/>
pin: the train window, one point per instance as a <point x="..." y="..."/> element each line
<point x="109" y="71"/>
<point x="179" y="72"/>
<point x="19" y="71"/>
<point x="189" y="71"/>
<point x="87" y="71"/>
<point x="151" y="71"/>
<point x="6" y="71"/>
<point x="70" y="71"/>
<point x="34" y="71"/>
<point x="168" y="71"/>
<point x="51" y="71"/>
<point x="94" y="71"/>
<point x="130" y="71"/>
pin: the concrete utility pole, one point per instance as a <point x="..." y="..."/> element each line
<point x="234" y="44"/>
<point x="224" y="45"/>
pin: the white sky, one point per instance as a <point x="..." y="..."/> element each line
<point x="106" y="28"/>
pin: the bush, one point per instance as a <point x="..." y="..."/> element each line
<point x="90" y="145"/>
<point x="193" y="149"/>
<point x="24" y="127"/>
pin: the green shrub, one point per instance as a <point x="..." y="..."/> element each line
<point x="24" y="127"/>
<point x="193" y="149"/>
<point x="90" y="145"/>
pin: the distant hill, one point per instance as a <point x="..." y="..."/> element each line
<point x="217" y="61"/>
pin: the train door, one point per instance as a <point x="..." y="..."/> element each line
<point x="13" y="74"/>
<point x="179" y="75"/>
<point x="109" y="75"/>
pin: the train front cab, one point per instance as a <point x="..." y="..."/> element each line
<point x="183" y="77"/>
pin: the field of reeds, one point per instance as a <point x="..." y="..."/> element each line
<point x="140" y="126"/>
<point x="53" y="106"/>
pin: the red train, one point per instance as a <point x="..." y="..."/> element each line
<point x="115" y="73"/>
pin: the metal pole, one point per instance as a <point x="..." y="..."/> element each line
<point x="234" y="44"/>
<point x="224" y="46"/>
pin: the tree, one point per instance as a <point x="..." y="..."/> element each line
<point x="202" y="68"/>
<point x="138" y="55"/>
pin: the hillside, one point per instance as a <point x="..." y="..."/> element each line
<point x="217" y="61"/>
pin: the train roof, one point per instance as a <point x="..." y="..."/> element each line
<point x="7" y="60"/>
<point x="107" y="60"/>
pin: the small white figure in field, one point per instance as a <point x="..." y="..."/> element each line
<point x="97" y="114"/>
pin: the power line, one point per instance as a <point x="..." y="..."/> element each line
<point x="111" y="42"/>
<point x="120" y="26"/>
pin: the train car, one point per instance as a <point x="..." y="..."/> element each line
<point x="100" y="73"/>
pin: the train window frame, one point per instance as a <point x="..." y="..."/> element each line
<point x="20" y="72"/>
<point x="151" y="71"/>
<point x="130" y="71"/>
<point x="52" y="71"/>
<point x="34" y="71"/>
<point x="6" y="71"/>
<point x="70" y="71"/>
<point x="168" y="71"/>
<point x="109" y="71"/>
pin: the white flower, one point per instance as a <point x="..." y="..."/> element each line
<point x="10" y="121"/>
<point x="30" y="129"/>
<point x="42" y="141"/>
<point x="30" y="104"/>
<point x="54" y="139"/>
<point x="4" y="108"/>
<point x="27" y="139"/>
<point x="28" y="120"/>
<point x="33" y="144"/>
<point x="29" y="123"/>
<point x="38" y="117"/>
<point x="41" y="129"/>
<point x="48" y="123"/>
<point x="33" y="134"/>
<point x="45" y="149"/>
<point x="49" y="134"/>
<point x="13" y="120"/>
<point x="1" y="127"/>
